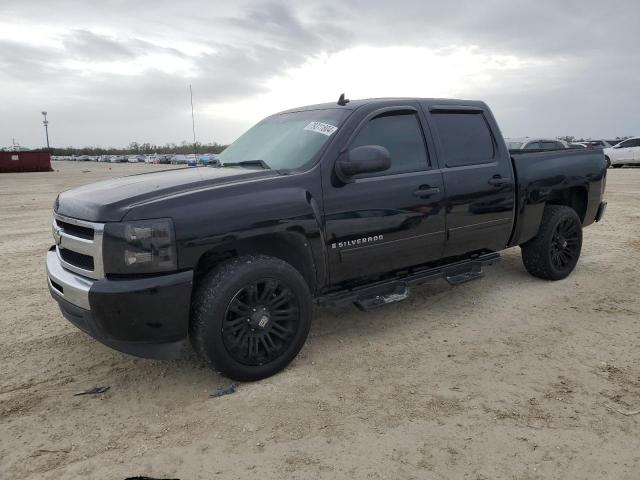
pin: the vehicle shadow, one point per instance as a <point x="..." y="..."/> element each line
<point x="331" y="328"/>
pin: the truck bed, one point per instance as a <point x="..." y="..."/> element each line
<point x="544" y="176"/>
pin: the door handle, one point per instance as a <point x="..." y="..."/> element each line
<point x="497" y="181"/>
<point x="426" y="191"/>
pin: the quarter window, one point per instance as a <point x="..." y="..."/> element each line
<point x="400" y="133"/>
<point x="465" y="138"/>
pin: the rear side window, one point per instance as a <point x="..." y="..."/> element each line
<point x="400" y="133"/>
<point x="465" y="137"/>
<point x="533" y="146"/>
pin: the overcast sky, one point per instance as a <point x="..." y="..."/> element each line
<point x="116" y="71"/>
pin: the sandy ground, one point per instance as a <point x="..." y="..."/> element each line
<point x="507" y="377"/>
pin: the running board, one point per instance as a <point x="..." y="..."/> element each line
<point x="396" y="289"/>
<point x="459" y="278"/>
<point x="366" y="304"/>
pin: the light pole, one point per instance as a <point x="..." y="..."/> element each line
<point x="46" y="127"/>
<point x="193" y="125"/>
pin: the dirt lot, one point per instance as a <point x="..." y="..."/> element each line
<point x="508" y="377"/>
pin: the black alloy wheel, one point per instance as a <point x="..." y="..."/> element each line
<point x="261" y="321"/>
<point x="554" y="252"/>
<point x="250" y="316"/>
<point x="565" y="243"/>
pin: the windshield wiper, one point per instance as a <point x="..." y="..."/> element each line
<point x="249" y="163"/>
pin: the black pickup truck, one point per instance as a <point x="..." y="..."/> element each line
<point x="337" y="204"/>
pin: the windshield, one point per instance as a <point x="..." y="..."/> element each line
<point x="514" y="145"/>
<point x="285" y="141"/>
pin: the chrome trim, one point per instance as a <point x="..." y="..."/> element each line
<point x="80" y="245"/>
<point x="92" y="248"/>
<point x="75" y="287"/>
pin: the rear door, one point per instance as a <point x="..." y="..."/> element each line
<point x="478" y="179"/>
<point x="388" y="220"/>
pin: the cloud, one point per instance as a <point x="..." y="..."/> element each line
<point x="86" y="45"/>
<point x="122" y="73"/>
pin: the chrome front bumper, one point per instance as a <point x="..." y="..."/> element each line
<point x="67" y="285"/>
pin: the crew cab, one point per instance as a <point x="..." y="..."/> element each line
<point x="340" y="203"/>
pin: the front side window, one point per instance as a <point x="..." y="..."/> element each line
<point x="285" y="141"/>
<point x="533" y="146"/>
<point x="401" y="134"/>
<point x="465" y="138"/>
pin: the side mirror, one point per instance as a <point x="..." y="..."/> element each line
<point x="364" y="159"/>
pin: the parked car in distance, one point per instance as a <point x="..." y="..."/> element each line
<point x="179" y="159"/>
<point x="118" y="159"/>
<point x="209" y="159"/>
<point x="577" y="145"/>
<point x="332" y="204"/>
<point x="626" y="152"/>
<point x="598" y="144"/>
<point x="534" y="144"/>
<point x="83" y="158"/>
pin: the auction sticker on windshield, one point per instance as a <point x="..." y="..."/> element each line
<point x="319" y="127"/>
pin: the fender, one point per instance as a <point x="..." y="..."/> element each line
<point x="277" y="210"/>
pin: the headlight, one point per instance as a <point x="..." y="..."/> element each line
<point x="142" y="246"/>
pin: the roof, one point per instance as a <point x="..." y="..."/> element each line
<point x="353" y="104"/>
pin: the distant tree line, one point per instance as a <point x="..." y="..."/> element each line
<point x="142" y="148"/>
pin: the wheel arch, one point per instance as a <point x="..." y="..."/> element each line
<point x="574" y="197"/>
<point x="291" y="246"/>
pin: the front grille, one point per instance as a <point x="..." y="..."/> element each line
<point x="76" y="259"/>
<point x="76" y="230"/>
<point x="79" y="245"/>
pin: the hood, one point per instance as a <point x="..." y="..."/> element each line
<point x="110" y="200"/>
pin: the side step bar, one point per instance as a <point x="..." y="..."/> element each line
<point x="395" y="289"/>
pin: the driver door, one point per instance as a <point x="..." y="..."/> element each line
<point x="387" y="220"/>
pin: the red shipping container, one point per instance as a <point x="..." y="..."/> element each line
<point x="25" y="162"/>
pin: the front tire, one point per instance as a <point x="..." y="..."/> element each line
<point x="616" y="165"/>
<point x="608" y="161"/>
<point x="553" y="253"/>
<point x="251" y="316"/>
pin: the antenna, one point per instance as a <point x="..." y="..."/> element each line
<point x="193" y="123"/>
<point x="343" y="101"/>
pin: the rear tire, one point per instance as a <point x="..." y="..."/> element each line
<point x="251" y="316"/>
<point x="554" y="252"/>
